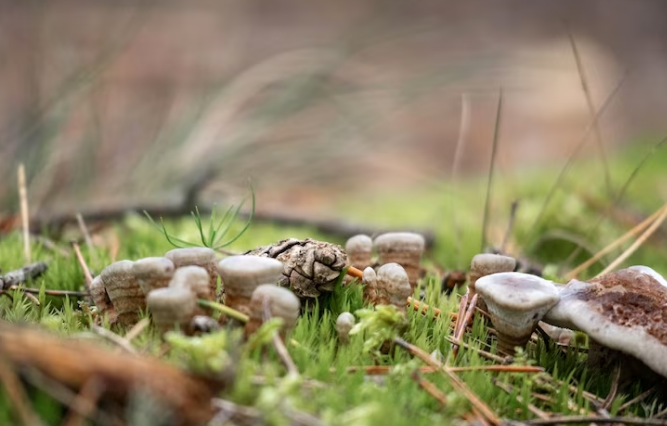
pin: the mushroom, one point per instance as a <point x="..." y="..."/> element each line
<point x="197" y="256"/>
<point x="344" y="324"/>
<point x="623" y="311"/>
<point x="172" y="307"/>
<point x="391" y="285"/>
<point x="359" y="251"/>
<point x="404" y="248"/>
<point x="100" y="297"/>
<point x="124" y="292"/>
<point x="282" y="303"/>
<point x="153" y="272"/>
<point x="242" y="274"/>
<point x="516" y="303"/>
<point x="486" y="264"/>
<point x="194" y="278"/>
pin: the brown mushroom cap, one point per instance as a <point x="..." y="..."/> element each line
<point x="124" y="292"/>
<point x="623" y="310"/>
<point x="153" y="272"/>
<point x="400" y="241"/>
<point x="171" y="306"/>
<point x="282" y="303"/>
<point x="198" y="256"/>
<point x="359" y="251"/>
<point x="194" y="278"/>
<point x="242" y="274"/>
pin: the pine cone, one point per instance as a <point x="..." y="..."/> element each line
<point x="311" y="267"/>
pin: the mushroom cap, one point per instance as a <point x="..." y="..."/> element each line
<point x="345" y="322"/>
<point x="517" y="301"/>
<point x="246" y="272"/>
<point x="394" y="281"/>
<point x="489" y="263"/>
<point x="623" y="310"/>
<point x="283" y="303"/>
<point x="400" y="241"/>
<point x="178" y="303"/>
<point x="649" y="271"/>
<point x="359" y="244"/>
<point x="153" y="267"/>
<point x="191" y="256"/>
<point x="117" y="270"/>
<point x="194" y="278"/>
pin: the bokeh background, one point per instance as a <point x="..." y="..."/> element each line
<point x="134" y="103"/>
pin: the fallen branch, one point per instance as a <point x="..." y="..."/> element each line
<point x="20" y="276"/>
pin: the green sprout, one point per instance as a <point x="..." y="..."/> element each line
<point x="217" y="228"/>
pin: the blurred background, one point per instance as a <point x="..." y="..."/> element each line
<point x="135" y="103"/>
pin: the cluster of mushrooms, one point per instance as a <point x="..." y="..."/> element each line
<point x="623" y="311"/>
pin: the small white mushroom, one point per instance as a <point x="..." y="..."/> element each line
<point x="516" y="303"/>
<point x="404" y="248"/>
<point x="124" y="292"/>
<point x="153" y="272"/>
<point x="344" y="324"/>
<point x="194" y="278"/>
<point x="390" y="284"/>
<point x="242" y="274"/>
<point x="486" y="264"/>
<point x="197" y="256"/>
<point x="369" y="279"/>
<point x="359" y="251"/>
<point x="282" y="303"/>
<point x="172" y="307"/>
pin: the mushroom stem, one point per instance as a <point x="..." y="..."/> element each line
<point x="507" y="343"/>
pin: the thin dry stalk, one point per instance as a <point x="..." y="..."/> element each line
<point x="494" y="150"/>
<point x="642" y="396"/>
<point x="112" y="337"/>
<point x="25" y="214"/>
<point x="61" y="293"/>
<point x="591" y="110"/>
<point x="482" y="353"/>
<point x="430" y="388"/>
<point x="87" y="397"/>
<point x="17" y="394"/>
<point x="84" y="266"/>
<point x="86" y="236"/>
<point x="614" y="388"/>
<point x="642" y="238"/>
<point x="423" y="308"/>
<point x="631" y="233"/>
<point x="568" y="420"/>
<point x="464" y="130"/>
<point x="137" y="329"/>
<point x="279" y="345"/>
<point x="377" y="370"/>
<point x="533" y="409"/>
<point x="459" y="321"/>
<point x="354" y="272"/>
<point x="455" y="381"/>
<point x="464" y="324"/>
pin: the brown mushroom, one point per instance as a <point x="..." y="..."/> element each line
<point x="242" y="274"/>
<point x="282" y="303"/>
<point x="390" y="285"/>
<point x="153" y="272"/>
<point x="172" y="307"/>
<point x="404" y="248"/>
<point x="359" y="250"/>
<point x="124" y="292"/>
<point x="197" y="256"/>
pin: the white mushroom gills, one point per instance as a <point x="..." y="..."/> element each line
<point x="404" y="248"/>
<point x="172" y="307"/>
<point x="124" y="292"/>
<point x="282" y="303"/>
<point x="204" y="257"/>
<point x="153" y="272"/>
<point x="359" y="251"/>
<point x="241" y="275"/>
<point x="344" y="324"/>
<point x="516" y="303"/>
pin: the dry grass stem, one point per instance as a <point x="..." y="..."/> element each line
<point x="112" y="337"/>
<point x="355" y="272"/>
<point x="533" y="409"/>
<point x="84" y="265"/>
<point x="137" y="329"/>
<point x="642" y="238"/>
<point x="376" y="370"/>
<point x="632" y="232"/>
<point x="25" y="213"/>
<point x="86" y="236"/>
<point x="430" y="388"/>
